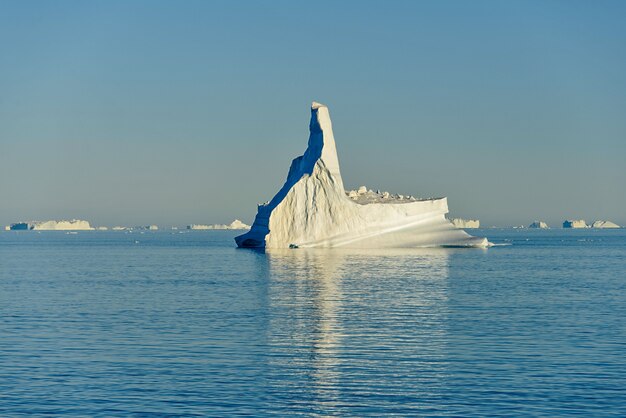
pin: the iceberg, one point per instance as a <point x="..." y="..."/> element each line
<point x="236" y="224"/>
<point x="604" y="224"/>
<point x="20" y="226"/>
<point x="145" y="228"/>
<point x="73" y="225"/>
<point x="312" y="209"/>
<point x="578" y="223"/>
<point x="539" y="225"/>
<point x="465" y="223"/>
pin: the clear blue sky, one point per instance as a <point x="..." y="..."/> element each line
<point x="137" y="112"/>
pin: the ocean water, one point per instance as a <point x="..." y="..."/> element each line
<point x="184" y="324"/>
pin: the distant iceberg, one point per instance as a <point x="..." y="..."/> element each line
<point x="575" y="223"/>
<point x="539" y="225"/>
<point x="73" y="225"/>
<point x="20" y="226"/>
<point x="465" y="223"/>
<point x="604" y="224"/>
<point x="236" y="224"/>
<point x="145" y="228"/>
<point x="312" y="209"/>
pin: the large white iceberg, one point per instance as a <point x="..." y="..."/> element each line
<point x="313" y="210"/>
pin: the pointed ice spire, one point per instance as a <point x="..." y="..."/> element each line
<point x="321" y="140"/>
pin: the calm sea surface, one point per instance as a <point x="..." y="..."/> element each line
<point x="183" y="324"/>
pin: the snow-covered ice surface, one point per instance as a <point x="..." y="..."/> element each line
<point x="312" y="209"/>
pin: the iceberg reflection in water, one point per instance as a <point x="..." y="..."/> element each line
<point x="351" y="324"/>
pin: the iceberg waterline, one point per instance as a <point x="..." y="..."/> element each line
<point x="313" y="210"/>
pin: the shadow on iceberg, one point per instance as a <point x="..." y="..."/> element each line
<point x="312" y="208"/>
